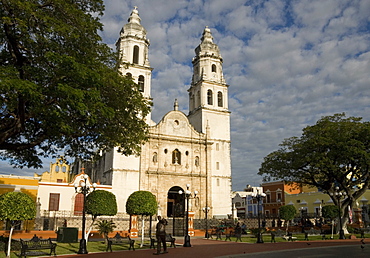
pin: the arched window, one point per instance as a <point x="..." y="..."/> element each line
<point x="214" y="69"/>
<point x="176" y="157"/>
<point x="129" y="75"/>
<point x="56" y="168"/>
<point x="79" y="204"/>
<point x="141" y="83"/>
<point x="135" y="59"/>
<point x="209" y="97"/>
<point x="155" y="157"/>
<point x="219" y="99"/>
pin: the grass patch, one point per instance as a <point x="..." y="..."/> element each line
<point x="72" y="248"/>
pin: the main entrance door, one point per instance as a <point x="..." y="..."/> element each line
<point x="175" y="211"/>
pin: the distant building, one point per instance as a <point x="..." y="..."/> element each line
<point x="244" y="204"/>
<point x="275" y="196"/>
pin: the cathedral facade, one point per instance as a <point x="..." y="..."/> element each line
<point x="184" y="153"/>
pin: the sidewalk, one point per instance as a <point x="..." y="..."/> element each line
<point x="211" y="248"/>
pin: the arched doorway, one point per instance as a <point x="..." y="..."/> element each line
<point x="175" y="202"/>
<point x="176" y="211"/>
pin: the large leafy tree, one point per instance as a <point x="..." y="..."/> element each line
<point x="332" y="153"/>
<point x="59" y="84"/>
<point x="100" y="203"/>
<point x="142" y="203"/>
<point x="16" y="207"/>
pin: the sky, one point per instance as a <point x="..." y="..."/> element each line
<point x="287" y="64"/>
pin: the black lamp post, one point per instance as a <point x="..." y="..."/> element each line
<point x="85" y="189"/>
<point x="188" y="195"/>
<point x="259" y="196"/>
<point x="206" y="210"/>
<point x="339" y="195"/>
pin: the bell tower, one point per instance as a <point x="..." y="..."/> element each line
<point x="209" y="114"/>
<point x="133" y="49"/>
<point x="208" y="94"/>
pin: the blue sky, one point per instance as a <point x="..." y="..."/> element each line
<point x="288" y="63"/>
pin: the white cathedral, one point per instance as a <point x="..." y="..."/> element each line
<point x="183" y="152"/>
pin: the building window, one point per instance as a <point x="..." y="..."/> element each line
<point x="79" y="203"/>
<point x="64" y="169"/>
<point x="278" y="197"/>
<point x="268" y="198"/>
<point x="54" y="201"/>
<point x="214" y="69"/>
<point x="155" y="157"/>
<point x="218" y="182"/>
<point x="217" y="147"/>
<point x="237" y="204"/>
<point x="129" y="75"/>
<point x="217" y="165"/>
<point x="197" y="161"/>
<point x="219" y="99"/>
<point x="141" y="83"/>
<point x="135" y="59"/>
<point x="209" y="97"/>
<point x="59" y="180"/>
<point x="176" y="157"/>
<point x="56" y="168"/>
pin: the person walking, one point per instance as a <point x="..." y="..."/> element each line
<point x="161" y="236"/>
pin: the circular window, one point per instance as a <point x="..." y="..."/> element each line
<point x="176" y="122"/>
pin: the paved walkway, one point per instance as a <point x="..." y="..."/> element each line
<point x="204" y="248"/>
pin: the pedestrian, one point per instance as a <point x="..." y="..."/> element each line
<point x="161" y="235"/>
<point x="273" y="223"/>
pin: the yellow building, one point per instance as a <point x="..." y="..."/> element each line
<point x="58" y="173"/>
<point x="25" y="184"/>
<point x="310" y="203"/>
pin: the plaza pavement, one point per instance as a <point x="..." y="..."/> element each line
<point x="204" y="248"/>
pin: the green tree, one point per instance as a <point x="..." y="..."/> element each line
<point x="100" y="203"/>
<point x="60" y="87"/>
<point x="287" y="213"/>
<point x="332" y="153"/>
<point x="141" y="203"/>
<point x="330" y="212"/>
<point x="16" y="207"/>
<point x="104" y="228"/>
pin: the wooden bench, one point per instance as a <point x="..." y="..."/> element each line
<point x="120" y="240"/>
<point x="35" y="246"/>
<point x="169" y="239"/>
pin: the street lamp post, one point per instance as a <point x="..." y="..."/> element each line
<point x="206" y="210"/>
<point x="85" y="189"/>
<point x="339" y="195"/>
<point x="259" y="197"/>
<point x="188" y="195"/>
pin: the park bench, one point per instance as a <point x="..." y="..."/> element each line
<point x="120" y="240"/>
<point x="169" y="239"/>
<point x="35" y="247"/>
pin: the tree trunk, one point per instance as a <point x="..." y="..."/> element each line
<point x="142" y="231"/>
<point x="89" y="231"/>
<point x="10" y="241"/>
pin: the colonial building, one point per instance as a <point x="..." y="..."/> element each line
<point x="184" y="152"/>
